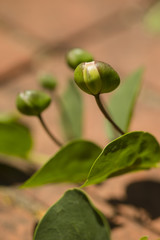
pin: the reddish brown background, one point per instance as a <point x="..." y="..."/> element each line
<point x="34" y="37"/>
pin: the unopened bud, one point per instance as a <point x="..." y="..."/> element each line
<point x="32" y="102"/>
<point x="48" y="81"/>
<point x="76" y="56"/>
<point x="96" y="77"/>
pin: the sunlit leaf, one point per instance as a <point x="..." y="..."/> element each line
<point x="73" y="217"/>
<point x="15" y="137"/>
<point x="71" y="112"/>
<point x="130" y="152"/>
<point x="71" y="164"/>
<point x="121" y="104"/>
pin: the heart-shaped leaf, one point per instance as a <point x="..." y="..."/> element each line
<point x="73" y="217"/>
<point x="71" y="164"/>
<point x="15" y="137"/>
<point x="130" y="152"/>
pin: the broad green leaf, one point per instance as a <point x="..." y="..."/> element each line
<point x="71" y="164"/>
<point x="71" y="112"/>
<point x="144" y="238"/>
<point x="15" y="138"/>
<point x="152" y="18"/>
<point x="122" y="102"/>
<point x="73" y="217"/>
<point x="130" y="152"/>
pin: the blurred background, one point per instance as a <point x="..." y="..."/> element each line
<point x="35" y="36"/>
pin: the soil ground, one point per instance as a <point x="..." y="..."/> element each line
<point x="34" y="37"/>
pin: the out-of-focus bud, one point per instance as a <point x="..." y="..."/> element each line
<point x="32" y="102"/>
<point x="96" y="77"/>
<point x="76" y="56"/>
<point x="47" y="81"/>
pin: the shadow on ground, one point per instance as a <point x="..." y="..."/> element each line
<point x="143" y="195"/>
<point x="11" y="175"/>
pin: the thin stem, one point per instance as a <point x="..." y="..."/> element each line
<point x="48" y="132"/>
<point x="105" y="113"/>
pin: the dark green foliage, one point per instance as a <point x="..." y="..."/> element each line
<point x="73" y="217"/>
<point x="70" y="164"/>
<point x="130" y="152"/>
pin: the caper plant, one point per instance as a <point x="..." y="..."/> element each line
<point x="84" y="162"/>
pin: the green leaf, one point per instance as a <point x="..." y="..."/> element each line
<point x="71" y="112"/>
<point x="130" y="152"/>
<point x="73" y="217"/>
<point x="15" y="137"/>
<point x="152" y="18"/>
<point x="144" y="238"/>
<point x="122" y="102"/>
<point x="71" y="164"/>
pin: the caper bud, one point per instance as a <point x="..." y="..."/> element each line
<point x="32" y="102"/>
<point x="96" y="77"/>
<point x="76" y="56"/>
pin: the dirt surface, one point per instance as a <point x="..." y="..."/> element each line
<point x="34" y="37"/>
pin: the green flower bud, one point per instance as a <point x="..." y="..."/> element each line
<point x="32" y="102"/>
<point x="76" y="56"/>
<point x="47" y="81"/>
<point x="96" y="77"/>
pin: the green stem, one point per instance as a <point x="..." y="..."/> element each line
<point x="105" y="113"/>
<point x="48" y="132"/>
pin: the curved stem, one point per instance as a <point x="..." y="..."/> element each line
<point x="48" y="132"/>
<point x="105" y="113"/>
